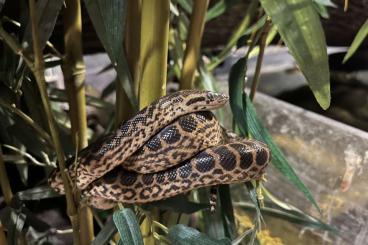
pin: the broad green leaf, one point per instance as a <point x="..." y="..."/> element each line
<point x="236" y="85"/>
<point x="259" y="132"/>
<point x="105" y="234"/>
<point x="128" y="227"/>
<point x="108" y="18"/>
<point x="184" y="235"/>
<point x="301" y="30"/>
<point x="359" y="38"/>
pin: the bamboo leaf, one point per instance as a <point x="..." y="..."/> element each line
<point x="302" y="32"/>
<point x="128" y="227"/>
<point x="105" y="234"/>
<point x="227" y="211"/>
<point x="48" y="11"/>
<point x="37" y="193"/>
<point x="359" y="38"/>
<point x="184" y="235"/>
<point x="108" y="18"/>
<point x="298" y="218"/>
<point x="259" y="132"/>
<point x="14" y="220"/>
<point x="219" y="8"/>
<point x="236" y="80"/>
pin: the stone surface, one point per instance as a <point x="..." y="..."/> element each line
<point x="332" y="160"/>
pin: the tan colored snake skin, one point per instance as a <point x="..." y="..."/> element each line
<point x="131" y="135"/>
<point x="225" y="164"/>
<point x="160" y="165"/>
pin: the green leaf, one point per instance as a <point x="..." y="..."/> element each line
<point x="301" y="30"/>
<point x="359" y="38"/>
<point x="213" y="223"/>
<point x="296" y="217"/>
<point x="219" y="8"/>
<point x="37" y="193"/>
<point x="108" y="18"/>
<point x="186" y="5"/>
<point x="184" y="235"/>
<point x="128" y="227"/>
<point x="227" y="210"/>
<point x="328" y="3"/>
<point x="14" y="220"/>
<point x="259" y="132"/>
<point x="47" y="13"/>
<point x="291" y="211"/>
<point x="236" y="87"/>
<point x="105" y="234"/>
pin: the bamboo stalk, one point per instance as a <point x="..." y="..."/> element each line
<point x="153" y="50"/>
<point x="262" y="47"/>
<point x="4" y="181"/>
<point x="193" y="43"/>
<point x="3" y="240"/>
<point x="74" y="77"/>
<point x="253" y="5"/>
<point x="152" y="69"/>
<point x="38" y="70"/>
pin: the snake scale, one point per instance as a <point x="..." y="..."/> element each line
<point x="170" y="147"/>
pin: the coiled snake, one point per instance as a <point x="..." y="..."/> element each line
<point x="170" y="147"/>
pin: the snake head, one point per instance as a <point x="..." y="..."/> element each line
<point x="204" y="100"/>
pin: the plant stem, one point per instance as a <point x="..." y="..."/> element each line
<point x="3" y="240"/>
<point x="38" y="70"/>
<point x="262" y="47"/>
<point x="14" y="45"/>
<point x="253" y="5"/>
<point x="4" y="181"/>
<point x="74" y="77"/>
<point x="7" y="193"/>
<point x="42" y="133"/>
<point x="153" y="50"/>
<point x="193" y="43"/>
<point x="153" y="68"/>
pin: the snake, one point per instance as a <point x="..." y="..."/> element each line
<point x="170" y="147"/>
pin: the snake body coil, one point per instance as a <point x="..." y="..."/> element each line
<point x="172" y="146"/>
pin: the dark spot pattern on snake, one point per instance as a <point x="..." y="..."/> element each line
<point x="262" y="157"/>
<point x="151" y="137"/>
<point x="204" y="162"/>
<point x="227" y="158"/>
